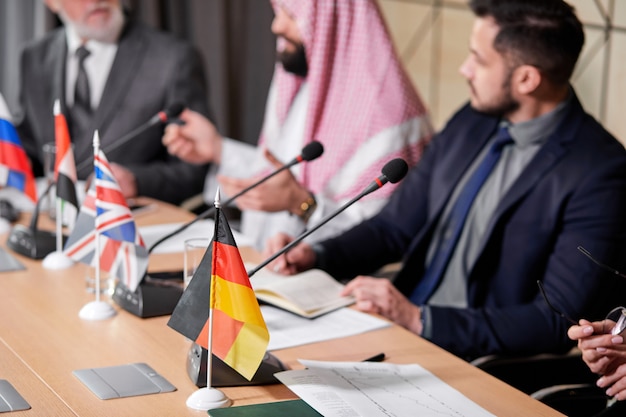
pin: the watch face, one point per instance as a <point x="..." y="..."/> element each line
<point x="307" y="208"/>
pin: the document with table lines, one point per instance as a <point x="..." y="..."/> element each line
<point x="352" y="389"/>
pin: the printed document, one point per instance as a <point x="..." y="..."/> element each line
<point x="351" y="389"/>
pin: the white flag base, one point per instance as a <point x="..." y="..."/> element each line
<point x="5" y="226"/>
<point x="57" y="260"/>
<point x="208" y="398"/>
<point x="97" y="310"/>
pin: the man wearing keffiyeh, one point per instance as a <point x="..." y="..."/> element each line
<point x="338" y="81"/>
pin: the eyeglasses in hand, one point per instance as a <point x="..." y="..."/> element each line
<point x="600" y="264"/>
<point x="615" y="321"/>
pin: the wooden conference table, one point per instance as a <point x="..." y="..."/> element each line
<point x="42" y="340"/>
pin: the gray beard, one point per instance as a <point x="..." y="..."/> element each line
<point x="108" y="34"/>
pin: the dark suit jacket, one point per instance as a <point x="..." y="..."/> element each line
<point x="151" y="71"/>
<point x="572" y="193"/>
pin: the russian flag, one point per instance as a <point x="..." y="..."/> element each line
<point x="15" y="168"/>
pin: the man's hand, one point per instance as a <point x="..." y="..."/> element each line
<point x="125" y="179"/>
<point x="281" y="192"/>
<point x="197" y="141"/>
<point x="380" y="296"/>
<point x="298" y="259"/>
<point x="604" y="353"/>
<point x="601" y="351"/>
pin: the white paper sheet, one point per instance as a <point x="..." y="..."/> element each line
<point x="346" y="389"/>
<point x="287" y="330"/>
<point x="202" y="228"/>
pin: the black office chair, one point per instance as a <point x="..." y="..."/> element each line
<point x="532" y="373"/>
<point x="563" y="382"/>
<point x="580" y="400"/>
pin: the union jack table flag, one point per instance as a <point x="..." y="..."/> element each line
<point x="123" y="252"/>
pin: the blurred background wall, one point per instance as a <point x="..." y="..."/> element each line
<point x="431" y="37"/>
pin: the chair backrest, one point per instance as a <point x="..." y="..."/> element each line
<point x="532" y="373"/>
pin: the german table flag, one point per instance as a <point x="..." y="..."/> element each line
<point x="239" y="334"/>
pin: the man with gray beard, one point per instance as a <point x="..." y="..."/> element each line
<point x="112" y="74"/>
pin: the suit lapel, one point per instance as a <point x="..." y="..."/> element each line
<point x="458" y="163"/>
<point x="451" y="172"/>
<point x="54" y="84"/>
<point x="555" y="148"/>
<point x="129" y="54"/>
<point x="58" y="68"/>
<point x="545" y="159"/>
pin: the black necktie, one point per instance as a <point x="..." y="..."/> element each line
<point x="456" y="219"/>
<point x="82" y="96"/>
<point x="80" y="113"/>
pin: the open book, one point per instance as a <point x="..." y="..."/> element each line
<point x="308" y="294"/>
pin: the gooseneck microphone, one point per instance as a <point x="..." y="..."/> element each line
<point x="156" y="296"/>
<point x="310" y="152"/>
<point x="161" y="117"/>
<point x="392" y="172"/>
<point x="30" y="241"/>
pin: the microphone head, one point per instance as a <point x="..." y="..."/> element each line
<point x="395" y="170"/>
<point x="312" y="151"/>
<point x="174" y="109"/>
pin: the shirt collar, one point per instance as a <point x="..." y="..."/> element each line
<point x="537" y="131"/>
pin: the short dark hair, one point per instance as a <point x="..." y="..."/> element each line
<point x="543" y="33"/>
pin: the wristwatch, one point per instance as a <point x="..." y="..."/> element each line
<point x="307" y="207"/>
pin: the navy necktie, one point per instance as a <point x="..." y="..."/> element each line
<point x="456" y="220"/>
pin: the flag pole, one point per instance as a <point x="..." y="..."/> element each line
<point x="97" y="255"/>
<point x="97" y="310"/>
<point x="212" y="293"/>
<point x="59" y="224"/>
<point x="57" y="259"/>
<point x="208" y="397"/>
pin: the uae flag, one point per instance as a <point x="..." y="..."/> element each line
<point x="239" y="334"/>
<point x="64" y="167"/>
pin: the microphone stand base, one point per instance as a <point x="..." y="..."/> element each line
<point x="151" y="298"/>
<point x="223" y="375"/>
<point x="33" y="244"/>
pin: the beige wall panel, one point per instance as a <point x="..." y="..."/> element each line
<point x="409" y="25"/>
<point x="619" y="14"/>
<point x="616" y="100"/>
<point x="403" y="19"/>
<point x="432" y="40"/>
<point x="588" y="11"/>
<point x="588" y="79"/>
<point x="453" y="89"/>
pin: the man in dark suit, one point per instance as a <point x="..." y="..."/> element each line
<point x="559" y="182"/>
<point x="133" y="73"/>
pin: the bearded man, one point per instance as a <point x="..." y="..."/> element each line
<point x="112" y="74"/>
<point x="338" y="81"/>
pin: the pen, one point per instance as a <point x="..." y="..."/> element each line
<point x="376" y="358"/>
